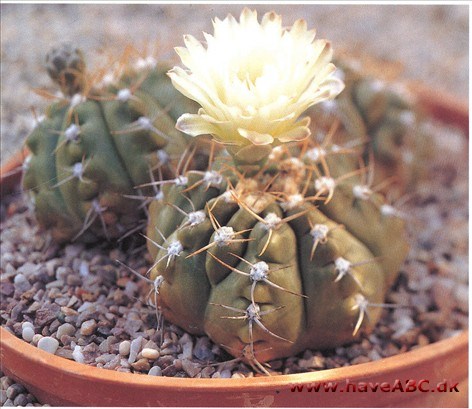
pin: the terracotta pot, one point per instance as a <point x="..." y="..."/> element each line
<point x="58" y="381"/>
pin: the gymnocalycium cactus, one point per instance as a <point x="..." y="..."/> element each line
<point x="108" y="133"/>
<point x="386" y="116"/>
<point x="281" y="244"/>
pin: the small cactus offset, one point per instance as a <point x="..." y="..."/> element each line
<point x="108" y="133"/>
<point x="281" y="244"/>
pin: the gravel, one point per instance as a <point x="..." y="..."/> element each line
<point x="15" y="394"/>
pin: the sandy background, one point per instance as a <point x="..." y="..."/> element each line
<point x="430" y="41"/>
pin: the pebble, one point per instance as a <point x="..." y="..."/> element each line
<point x="36" y="338"/>
<point x="5" y="382"/>
<point x="78" y="355"/>
<point x="155" y="371"/>
<point x="84" y="269"/>
<point x="21" y="283"/>
<point x="28" y="269"/>
<point x="150" y="353"/>
<point x="135" y="347"/>
<point x="27" y="334"/>
<point x="27" y="324"/>
<point x="13" y="390"/>
<point x="48" y="344"/>
<point x="141" y="365"/>
<point x="191" y="368"/>
<point x="187" y="350"/>
<point x="225" y="373"/>
<point x="124" y="347"/>
<point x="3" y="396"/>
<point x="88" y="327"/>
<point x="20" y="400"/>
<point x="315" y="362"/>
<point x="65" y="329"/>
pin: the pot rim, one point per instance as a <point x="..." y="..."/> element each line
<point x="10" y="344"/>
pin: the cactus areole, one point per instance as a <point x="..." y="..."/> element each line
<point x="280" y="245"/>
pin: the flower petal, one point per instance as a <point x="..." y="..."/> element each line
<point x="255" y="137"/>
<point x="194" y="125"/>
<point x="298" y="133"/>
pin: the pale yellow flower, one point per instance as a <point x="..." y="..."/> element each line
<point x="253" y="80"/>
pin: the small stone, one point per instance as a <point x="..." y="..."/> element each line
<point x="177" y="363"/>
<point x="27" y="324"/>
<point x="68" y="311"/>
<point x="113" y="363"/>
<point x="13" y="390"/>
<point x="27" y="334"/>
<point x="3" y="396"/>
<point x="202" y="349"/>
<point x="155" y="371"/>
<point x="36" y="338"/>
<point x="28" y="269"/>
<point x="64" y="353"/>
<point x="134" y="349"/>
<point x="124" y="348"/>
<point x="422" y="340"/>
<point x="7" y="289"/>
<point x="77" y="355"/>
<point x="130" y="289"/>
<point x="84" y="269"/>
<point x="141" y="365"/>
<point x="191" y="368"/>
<point x="169" y="371"/>
<point x="88" y="327"/>
<point x="65" y="329"/>
<point x="374" y="355"/>
<point x="5" y="382"/>
<point x="207" y="372"/>
<point x="21" y="283"/>
<point x="225" y="373"/>
<point x="105" y="358"/>
<point x="315" y="362"/>
<point x="360" y="360"/>
<point x="187" y="350"/>
<point x="48" y="344"/>
<point x="30" y="398"/>
<point x="46" y="314"/>
<point x="461" y="296"/>
<point x="150" y="353"/>
<point x="20" y="400"/>
<point x="73" y="280"/>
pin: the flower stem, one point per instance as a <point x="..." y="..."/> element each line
<point x="249" y="159"/>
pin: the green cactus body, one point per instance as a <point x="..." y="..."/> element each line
<point x="373" y="111"/>
<point x="299" y="256"/>
<point x="95" y="147"/>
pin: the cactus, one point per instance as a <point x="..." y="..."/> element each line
<point x="110" y="132"/>
<point x="282" y="244"/>
<point x="386" y="115"/>
<point x="303" y="254"/>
